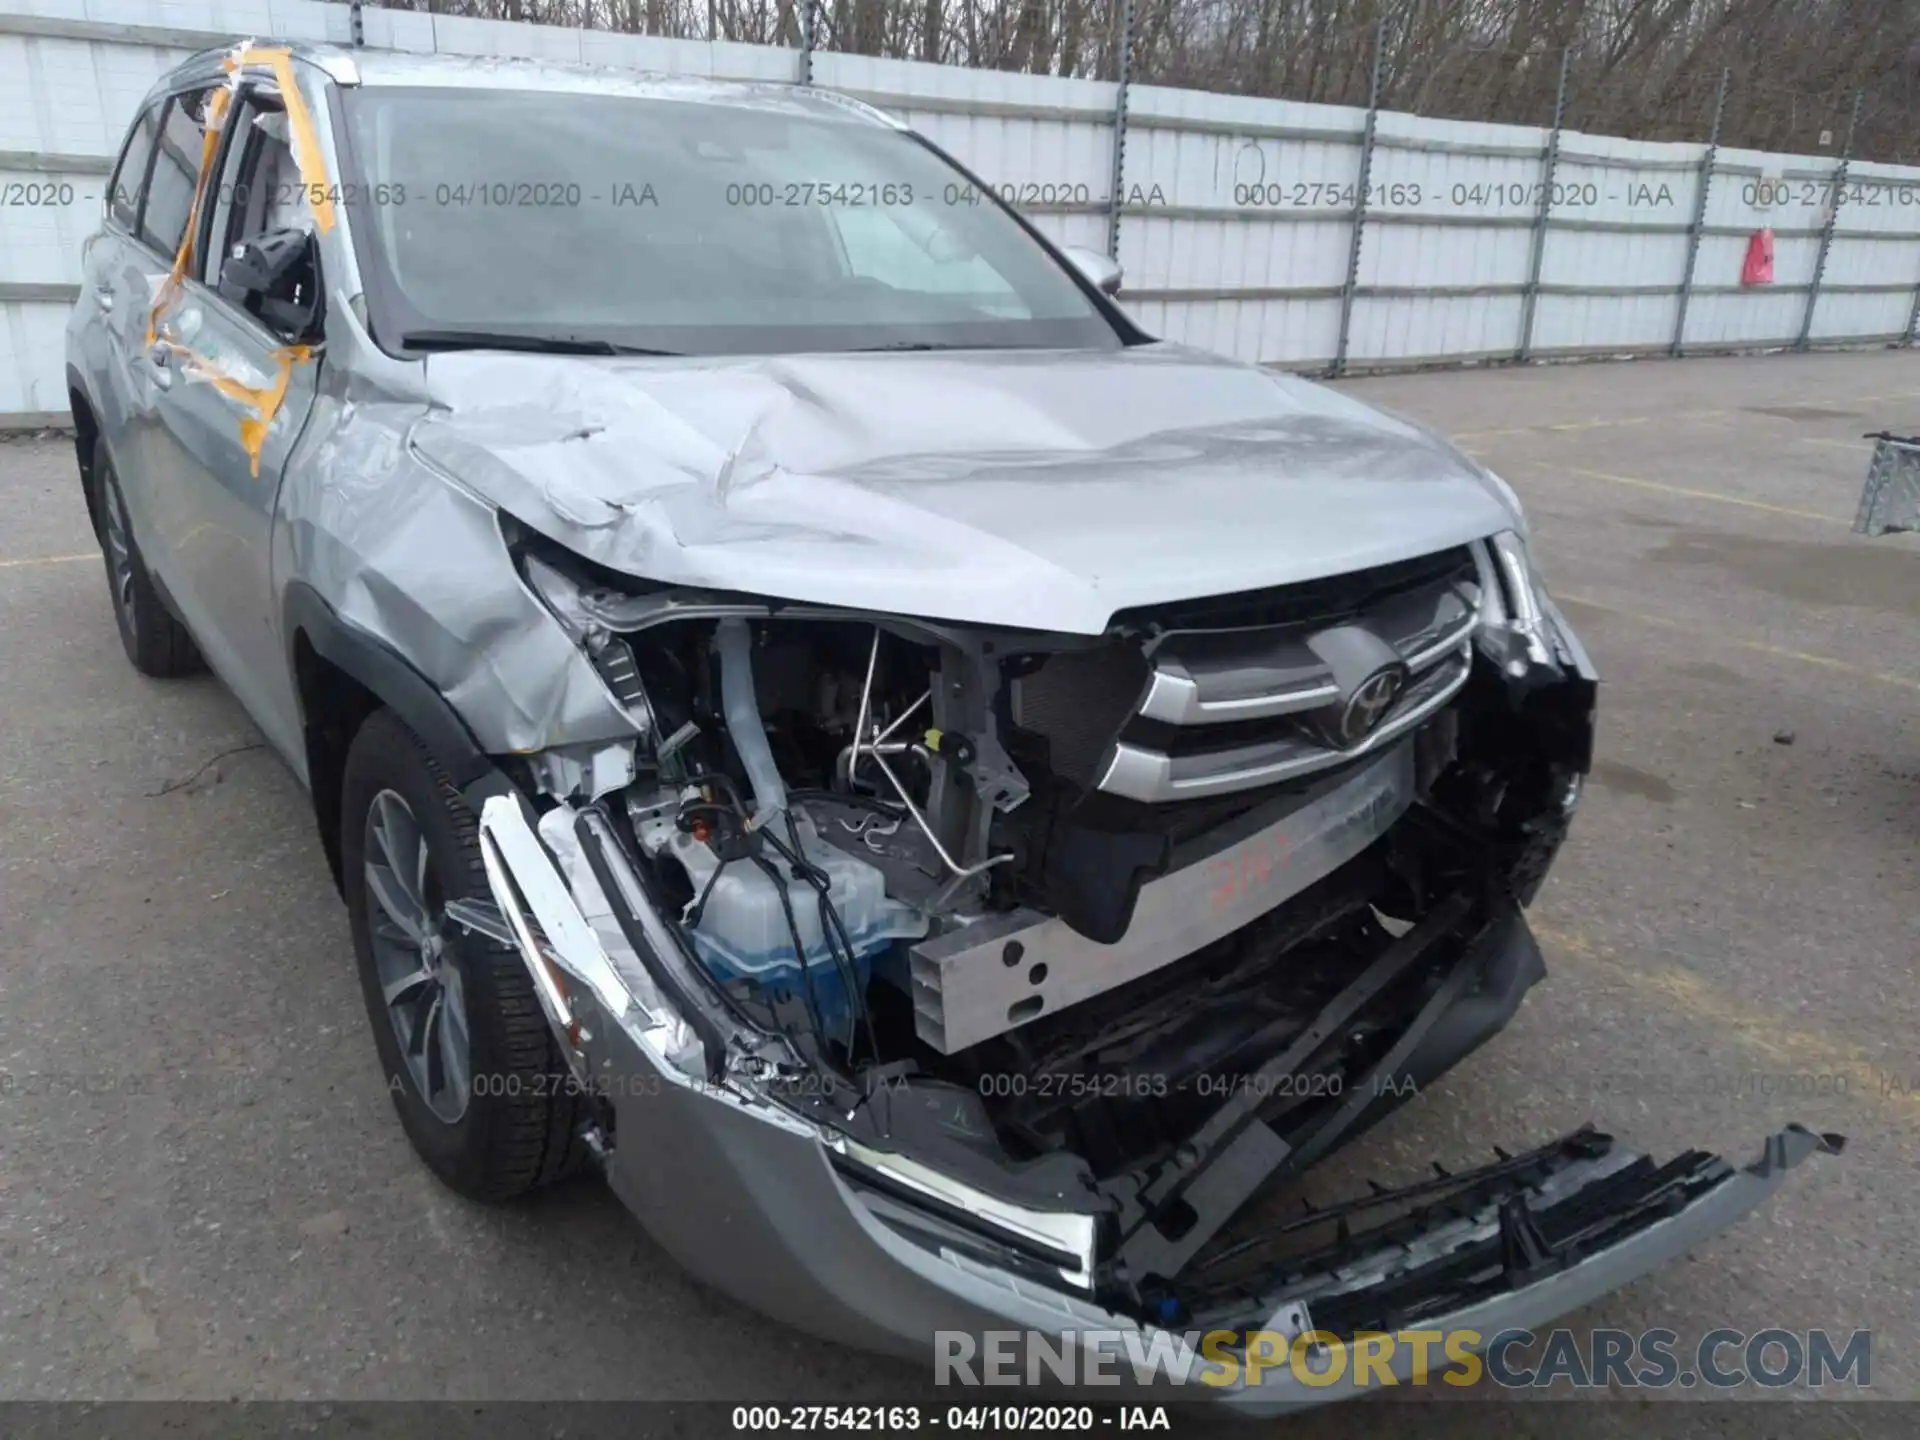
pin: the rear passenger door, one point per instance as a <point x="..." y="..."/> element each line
<point x="235" y="402"/>
<point x="126" y="277"/>
<point x="112" y="294"/>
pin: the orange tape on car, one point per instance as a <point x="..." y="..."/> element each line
<point x="306" y="140"/>
<point x="170" y="287"/>
<point x="265" y="401"/>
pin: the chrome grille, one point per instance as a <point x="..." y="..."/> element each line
<point x="1235" y="707"/>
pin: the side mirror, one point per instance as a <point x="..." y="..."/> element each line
<point x="275" y="276"/>
<point x="1103" y="270"/>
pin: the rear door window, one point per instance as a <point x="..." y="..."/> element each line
<point x="176" y="171"/>
<point x="130" y="176"/>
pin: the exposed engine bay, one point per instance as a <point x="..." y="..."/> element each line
<point x="1116" y="924"/>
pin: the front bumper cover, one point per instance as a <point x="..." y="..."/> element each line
<point x="791" y="1218"/>
<point x="767" y="1215"/>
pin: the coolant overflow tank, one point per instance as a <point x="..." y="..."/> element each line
<point x="743" y="933"/>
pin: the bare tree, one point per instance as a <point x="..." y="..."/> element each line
<point x="1641" y="68"/>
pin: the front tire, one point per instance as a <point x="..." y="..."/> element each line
<point x="481" y="1088"/>
<point x="155" y="642"/>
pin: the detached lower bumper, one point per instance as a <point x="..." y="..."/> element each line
<point x="802" y="1223"/>
<point x="1526" y="1254"/>
<point x="1890" y="499"/>
<point x="767" y="1216"/>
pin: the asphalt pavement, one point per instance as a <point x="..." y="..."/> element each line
<point x="204" y="1193"/>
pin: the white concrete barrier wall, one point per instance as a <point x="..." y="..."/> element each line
<point x="1236" y="215"/>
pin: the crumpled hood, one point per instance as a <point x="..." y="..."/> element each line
<point x="1042" y="489"/>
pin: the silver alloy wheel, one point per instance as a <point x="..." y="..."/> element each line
<point x="119" y="551"/>
<point x="413" y="958"/>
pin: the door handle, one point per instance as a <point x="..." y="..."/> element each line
<point x="162" y="367"/>
<point x="104" y="294"/>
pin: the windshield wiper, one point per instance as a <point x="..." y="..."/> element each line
<point x="913" y="345"/>
<point x="507" y="340"/>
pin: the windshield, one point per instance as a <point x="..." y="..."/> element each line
<point x="609" y="222"/>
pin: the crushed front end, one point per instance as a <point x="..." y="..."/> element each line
<point x="935" y="977"/>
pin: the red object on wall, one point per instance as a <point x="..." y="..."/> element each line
<point x="1758" y="269"/>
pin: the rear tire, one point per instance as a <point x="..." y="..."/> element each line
<point x="156" y="643"/>
<point x="482" y="1090"/>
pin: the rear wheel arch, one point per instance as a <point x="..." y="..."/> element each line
<point x="342" y="674"/>
<point x="86" y="432"/>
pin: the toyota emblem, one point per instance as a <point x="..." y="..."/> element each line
<point x="1372" y="698"/>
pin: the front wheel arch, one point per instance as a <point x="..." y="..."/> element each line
<point x="342" y="674"/>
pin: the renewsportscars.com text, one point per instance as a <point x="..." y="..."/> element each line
<point x="1655" y="1359"/>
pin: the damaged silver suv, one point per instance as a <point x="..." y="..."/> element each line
<point x="939" y="795"/>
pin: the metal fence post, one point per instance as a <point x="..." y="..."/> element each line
<point x="1550" y="163"/>
<point x="806" y="42"/>
<point x="1699" y="214"/>
<point x="356" y="27"/>
<point x="1119" y="176"/>
<point x="1838" y="183"/>
<point x="1339" y="366"/>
